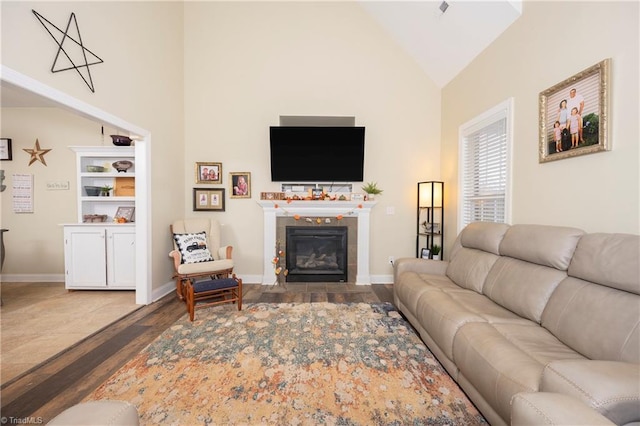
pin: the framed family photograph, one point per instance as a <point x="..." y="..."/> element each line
<point x="573" y="115"/>
<point x="240" y="185"/>
<point x="5" y="149"/>
<point x="208" y="199"/>
<point x="208" y="173"/>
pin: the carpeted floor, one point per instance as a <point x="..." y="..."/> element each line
<point x="296" y="364"/>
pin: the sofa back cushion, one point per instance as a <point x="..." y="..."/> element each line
<point x="485" y="236"/>
<point x="522" y="287"/>
<point x="474" y="253"/>
<point x="609" y="259"/>
<point x="551" y="246"/>
<point x="533" y="261"/>
<point x="595" y="320"/>
<point x="596" y="311"/>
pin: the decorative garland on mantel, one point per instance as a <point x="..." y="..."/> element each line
<point x="317" y="220"/>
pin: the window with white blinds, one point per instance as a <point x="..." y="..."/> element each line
<point x="484" y="164"/>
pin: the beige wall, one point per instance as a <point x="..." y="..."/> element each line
<point x="247" y="63"/>
<point x="598" y="192"/>
<point x="34" y="241"/>
<point x="140" y="81"/>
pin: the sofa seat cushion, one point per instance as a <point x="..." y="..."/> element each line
<point x="609" y="387"/>
<point x="412" y="285"/>
<point x="502" y="359"/>
<point x="204" y="267"/>
<point x="444" y="311"/>
<point x="546" y="408"/>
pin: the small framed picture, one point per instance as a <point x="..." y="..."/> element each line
<point x="126" y="213"/>
<point x="240" y="185"/>
<point x="5" y="150"/>
<point x="424" y="253"/>
<point x="205" y="199"/>
<point x="208" y="173"/>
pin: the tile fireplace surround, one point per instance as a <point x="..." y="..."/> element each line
<point x="361" y="210"/>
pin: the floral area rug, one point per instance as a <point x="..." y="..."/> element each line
<point x="293" y="364"/>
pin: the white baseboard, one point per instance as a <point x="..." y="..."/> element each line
<point x="159" y="293"/>
<point x="381" y="279"/>
<point x="32" y="278"/>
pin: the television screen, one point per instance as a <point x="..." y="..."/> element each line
<point x="317" y="154"/>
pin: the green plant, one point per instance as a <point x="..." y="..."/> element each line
<point x="435" y="250"/>
<point x="105" y="189"/>
<point x="372" y="188"/>
<point x="591" y="129"/>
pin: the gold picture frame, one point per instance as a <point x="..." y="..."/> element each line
<point x="208" y="173"/>
<point x="240" y="184"/>
<point x="565" y="133"/>
<point x="207" y="199"/>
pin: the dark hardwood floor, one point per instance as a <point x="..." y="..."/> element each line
<point x="64" y="380"/>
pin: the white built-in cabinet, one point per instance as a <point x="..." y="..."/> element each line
<point x="101" y="255"/>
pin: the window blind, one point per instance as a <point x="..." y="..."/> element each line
<point x="484" y="166"/>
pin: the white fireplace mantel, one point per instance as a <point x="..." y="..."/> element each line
<point x="358" y="209"/>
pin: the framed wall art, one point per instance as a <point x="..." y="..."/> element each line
<point x="126" y="213"/>
<point x="240" y="185"/>
<point x="208" y="173"/>
<point x="574" y="114"/>
<point x="205" y="199"/>
<point x="5" y="149"/>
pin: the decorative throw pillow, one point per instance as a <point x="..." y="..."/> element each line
<point x="193" y="247"/>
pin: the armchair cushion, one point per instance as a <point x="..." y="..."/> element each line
<point x="193" y="247"/>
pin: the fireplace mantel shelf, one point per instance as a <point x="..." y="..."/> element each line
<point x="358" y="209"/>
<point x="316" y="208"/>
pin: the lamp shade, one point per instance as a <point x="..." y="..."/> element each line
<point x="430" y="194"/>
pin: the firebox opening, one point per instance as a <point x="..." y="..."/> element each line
<point x="316" y="254"/>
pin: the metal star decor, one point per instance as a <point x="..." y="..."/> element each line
<point x="62" y="39"/>
<point x="37" y="153"/>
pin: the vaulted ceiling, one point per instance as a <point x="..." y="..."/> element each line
<point x="442" y="43"/>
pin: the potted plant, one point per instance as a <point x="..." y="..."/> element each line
<point x="105" y="191"/>
<point x="435" y="250"/>
<point x="371" y="188"/>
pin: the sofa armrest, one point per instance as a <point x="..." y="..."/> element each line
<point x="177" y="258"/>
<point x="225" y="252"/>
<point x="547" y="408"/>
<point x="420" y="266"/>
<point x="609" y="387"/>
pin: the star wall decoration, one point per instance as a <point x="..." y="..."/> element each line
<point x="81" y="55"/>
<point x="37" y="153"/>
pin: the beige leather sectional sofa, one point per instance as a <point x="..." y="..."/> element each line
<point x="537" y="324"/>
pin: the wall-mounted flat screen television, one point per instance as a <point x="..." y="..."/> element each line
<point x="317" y="154"/>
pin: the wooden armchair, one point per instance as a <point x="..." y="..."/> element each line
<point x="197" y="252"/>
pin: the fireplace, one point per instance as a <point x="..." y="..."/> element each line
<point x="316" y="254"/>
<point x="354" y="214"/>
